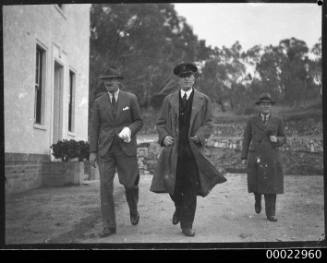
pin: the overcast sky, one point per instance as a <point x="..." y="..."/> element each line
<point x="251" y="24"/>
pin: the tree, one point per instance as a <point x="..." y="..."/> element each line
<point x="293" y="74"/>
<point x="315" y="66"/>
<point x="269" y="68"/>
<point x="222" y="76"/>
<point x="145" y="41"/>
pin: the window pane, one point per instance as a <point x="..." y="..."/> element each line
<point x="40" y="57"/>
<point x="71" y="101"/>
<point x="37" y="66"/>
<point x="38" y="105"/>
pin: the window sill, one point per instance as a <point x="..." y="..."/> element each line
<point x="39" y="127"/>
<point x="71" y="134"/>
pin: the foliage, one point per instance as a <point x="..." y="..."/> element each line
<point x="236" y="77"/>
<point x="69" y="149"/>
<point x="146" y="41"/>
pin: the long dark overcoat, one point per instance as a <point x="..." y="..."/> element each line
<point x="264" y="170"/>
<point x="164" y="178"/>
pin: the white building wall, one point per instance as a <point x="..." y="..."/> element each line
<point x="65" y="37"/>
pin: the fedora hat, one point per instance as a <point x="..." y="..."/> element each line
<point x="265" y="97"/>
<point x="185" y="69"/>
<point x="111" y="73"/>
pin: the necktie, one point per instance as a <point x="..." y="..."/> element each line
<point x="113" y="103"/>
<point x="184" y="99"/>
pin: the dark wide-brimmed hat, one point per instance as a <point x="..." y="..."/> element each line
<point x="185" y="68"/>
<point x="110" y="74"/>
<point x="265" y="97"/>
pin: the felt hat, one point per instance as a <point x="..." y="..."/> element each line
<point x="265" y="97"/>
<point x="110" y="74"/>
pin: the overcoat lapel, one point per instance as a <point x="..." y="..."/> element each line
<point x="175" y="104"/>
<point x="120" y="104"/>
<point x="258" y="122"/>
<point x="271" y="123"/>
<point x="196" y="107"/>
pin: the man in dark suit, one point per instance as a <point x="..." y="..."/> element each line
<point x="263" y="134"/>
<point x="184" y="123"/>
<point x="115" y="120"/>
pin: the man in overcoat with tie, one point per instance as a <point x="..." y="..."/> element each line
<point x="184" y="124"/>
<point x="115" y="120"/>
<point x="263" y="135"/>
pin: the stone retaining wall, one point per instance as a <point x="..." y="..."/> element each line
<point x="27" y="171"/>
<point x="294" y="143"/>
<point x="294" y="162"/>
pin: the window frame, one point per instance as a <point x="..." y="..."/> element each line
<point x="72" y="102"/>
<point x="42" y="75"/>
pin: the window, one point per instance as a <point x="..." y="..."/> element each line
<point x="39" y="85"/>
<point x="71" y="101"/>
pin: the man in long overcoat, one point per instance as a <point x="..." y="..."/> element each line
<point x="263" y="134"/>
<point x="184" y="124"/>
<point x="115" y="120"/>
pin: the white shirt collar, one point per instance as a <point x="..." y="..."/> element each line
<point x="115" y="94"/>
<point x="264" y="115"/>
<point x="188" y="93"/>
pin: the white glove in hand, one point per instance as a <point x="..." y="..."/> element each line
<point x="125" y="134"/>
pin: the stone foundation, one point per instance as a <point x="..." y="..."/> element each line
<point x="63" y="173"/>
<point x="29" y="171"/>
<point x="24" y="171"/>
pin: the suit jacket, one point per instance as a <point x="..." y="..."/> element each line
<point x="164" y="178"/>
<point x="264" y="171"/>
<point x="104" y="126"/>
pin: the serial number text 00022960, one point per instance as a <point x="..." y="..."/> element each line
<point x="294" y="254"/>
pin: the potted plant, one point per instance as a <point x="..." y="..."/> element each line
<point x="70" y="167"/>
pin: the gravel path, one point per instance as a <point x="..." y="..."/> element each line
<point x="72" y="215"/>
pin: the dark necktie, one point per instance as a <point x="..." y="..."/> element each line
<point x="184" y="99"/>
<point x="113" y="103"/>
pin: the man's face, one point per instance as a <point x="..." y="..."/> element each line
<point x="265" y="107"/>
<point x="112" y="85"/>
<point x="187" y="81"/>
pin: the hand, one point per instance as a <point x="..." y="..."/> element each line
<point x="273" y="138"/>
<point x="168" y="140"/>
<point x="244" y="161"/>
<point x="92" y="159"/>
<point x="125" y="134"/>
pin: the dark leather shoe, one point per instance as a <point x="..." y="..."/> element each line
<point x="257" y="207"/>
<point x="176" y="218"/>
<point x="272" y="218"/>
<point x="188" y="232"/>
<point x="135" y="218"/>
<point x="108" y="232"/>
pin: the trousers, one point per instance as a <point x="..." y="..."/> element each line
<point x="185" y="194"/>
<point x="270" y="203"/>
<point x="127" y="170"/>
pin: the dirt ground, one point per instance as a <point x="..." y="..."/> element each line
<point x="72" y="215"/>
